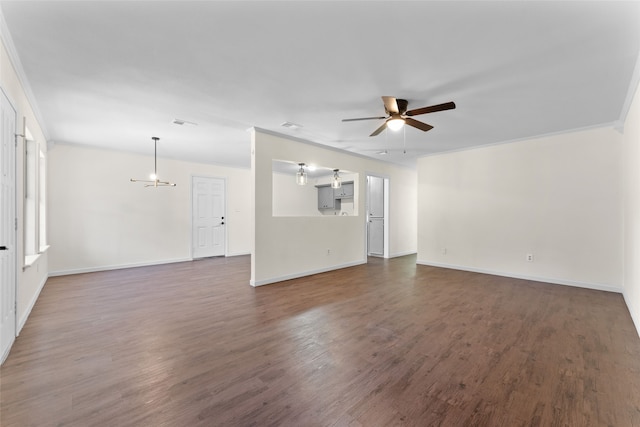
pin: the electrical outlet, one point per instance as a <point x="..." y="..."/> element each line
<point x="444" y="251"/>
<point x="328" y="251"/>
<point x="530" y="257"/>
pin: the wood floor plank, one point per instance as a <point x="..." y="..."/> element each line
<point x="389" y="343"/>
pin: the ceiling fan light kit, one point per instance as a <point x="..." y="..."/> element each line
<point x="398" y="115"/>
<point x="395" y="124"/>
<point x="154" y="181"/>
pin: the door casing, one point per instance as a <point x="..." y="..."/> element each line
<point x="386" y="198"/>
<point x="208" y="217"/>
<point x="8" y="227"/>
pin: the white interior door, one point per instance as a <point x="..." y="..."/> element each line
<point x="376" y="237"/>
<point x="208" y="217"/>
<point x="375" y="216"/>
<point x="7" y="227"/>
<point x="376" y="196"/>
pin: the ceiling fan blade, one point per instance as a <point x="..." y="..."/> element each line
<point x="416" y="124"/>
<point x="363" y="118"/>
<point x="402" y="105"/>
<point x="380" y="129"/>
<point x="390" y="104"/>
<point x="432" y="109"/>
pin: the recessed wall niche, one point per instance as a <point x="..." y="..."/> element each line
<point x="316" y="197"/>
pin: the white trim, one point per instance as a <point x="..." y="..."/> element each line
<point x="7" y="351"/>
<point x="29" y="260"/>
<point x="263" y="282"/>
<point x="231" y="254"/>
<point x="14" y="58"/>
<point x="32" y="303"/>
<point x="16" y="259"/>
<point x="635" y="316"/>
<point x="386" y="225"/>
<point x="608" y="125"/>
<point x="116" y="267"/>
<point x="551" y="280"/>
<point x="631" y="91"/>
<point x="386" y="185"/>
<point x="399" y="254"/>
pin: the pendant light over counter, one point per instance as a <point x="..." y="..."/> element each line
<point x="154" y="181"/>
<point x="336" y="181"/>
<point x="301" y="175"/>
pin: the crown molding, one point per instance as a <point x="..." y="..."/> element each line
<point x="610" y="125"/>
<point x="7" y="41"/>
<point x="631" y="91"/>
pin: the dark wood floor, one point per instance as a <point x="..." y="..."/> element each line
<point x="384" y="344"/>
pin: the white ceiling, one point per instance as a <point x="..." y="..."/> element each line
<point x="115" y="73"/>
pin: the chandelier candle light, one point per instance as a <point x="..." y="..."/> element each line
<point x="154" y="181"/>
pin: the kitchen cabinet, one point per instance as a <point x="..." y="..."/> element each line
<point x="344" y="192"/>
<point x="331" y="198"/>
<point x="326" y="199"/>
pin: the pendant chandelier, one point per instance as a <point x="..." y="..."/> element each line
<point x="154" y="181"/>
<point x="336" y="181"/>
<point x="301" y="175"/>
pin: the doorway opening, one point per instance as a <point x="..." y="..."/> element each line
<point x="377" y="229"/>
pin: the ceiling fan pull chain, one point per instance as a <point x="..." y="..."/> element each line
<point x="386" y="137"/>
<point x="404" y="137"/>
<point x="155" y="157"/>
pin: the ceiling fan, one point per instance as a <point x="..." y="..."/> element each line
<point x="397" y="114"/>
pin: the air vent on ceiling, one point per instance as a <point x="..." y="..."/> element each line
<point x="183" y="122"/>
<point x="290" y="125"/>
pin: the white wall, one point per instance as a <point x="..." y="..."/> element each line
<point x="403" y="200"/>
<point x="30" y="280"/>
<point x="101" y="220"/>
<point x="631" y="142"/>
<point x="558" y="198"/>
<point x="291" y="199"/>
<point x="287" y="247"/>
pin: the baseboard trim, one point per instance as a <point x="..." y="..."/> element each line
<point x="554" y="281"/>
<point x="632" y="311"/>
<point x="399" y="254"/>
<point x="115" y="267"/>
<point x="23" y="319"/>
<point x="7" y="351"/>
<point x="263" y="282"/>
<point x="238" y="254"/>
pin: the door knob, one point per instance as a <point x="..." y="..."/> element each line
<point x="222" y="223"/>
<point x="4" y="248"/>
